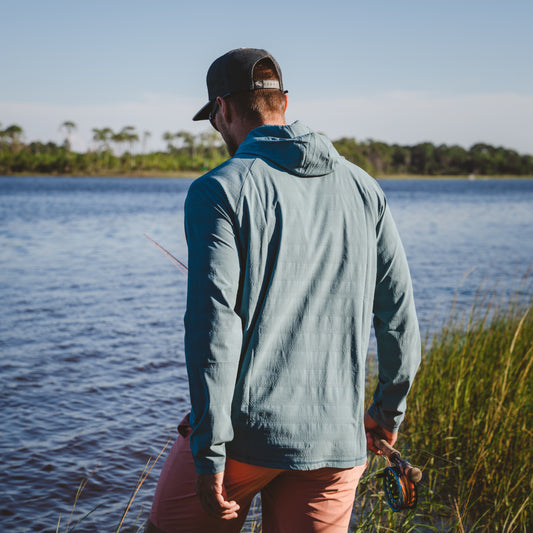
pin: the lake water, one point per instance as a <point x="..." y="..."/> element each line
<point x="91" y="331"/>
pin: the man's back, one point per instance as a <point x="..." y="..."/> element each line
<point x="293" y="239"/>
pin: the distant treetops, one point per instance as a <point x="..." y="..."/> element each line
<point x="125" y="151"/>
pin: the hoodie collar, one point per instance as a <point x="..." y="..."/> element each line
<point x="294" y="147"/>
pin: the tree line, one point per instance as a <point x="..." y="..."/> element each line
<point x="124" y="152"/>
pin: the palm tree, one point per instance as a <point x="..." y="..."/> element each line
<point x="118" y="138"/>
<point x="146" y="136"/>
<point x="188" y="141"/>
<point x="130" y="136"/>
<point x="70" y="127"/>
<point x="168" y="137"/>
<point x="14" y="133"/>
<point x="102" y="136"/>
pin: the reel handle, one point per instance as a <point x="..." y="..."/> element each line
<point x="413" y="474"/>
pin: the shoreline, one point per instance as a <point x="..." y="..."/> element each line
<point x="134" y="174"/>
<point x="196" y="174"/>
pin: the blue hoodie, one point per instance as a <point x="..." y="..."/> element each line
<point x="292" y="252"/>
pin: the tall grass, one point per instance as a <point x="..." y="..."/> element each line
<point x="470" y="418"/>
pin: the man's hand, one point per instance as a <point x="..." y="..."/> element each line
<point x="373" y="428"/>
<point x="210" y="490"/>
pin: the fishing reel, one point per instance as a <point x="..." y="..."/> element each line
<point x="399" y="478"/>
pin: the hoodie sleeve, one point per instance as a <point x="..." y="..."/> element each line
<point x="395" y="326"/>
<point x="213" y="330"/>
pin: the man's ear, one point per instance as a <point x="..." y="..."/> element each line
<point x="225" y="109"/>
<point x="286" y="102"/>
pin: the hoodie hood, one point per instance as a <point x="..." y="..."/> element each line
<point x="294" y="148"/>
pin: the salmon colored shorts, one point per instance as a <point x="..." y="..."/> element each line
<point x="293" y="501"/>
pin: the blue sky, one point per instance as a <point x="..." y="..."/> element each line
<point x="406" y="72"/>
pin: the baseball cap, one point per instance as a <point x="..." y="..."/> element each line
<point x="233" y="72"/>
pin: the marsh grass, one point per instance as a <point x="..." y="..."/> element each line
<point x="469" y="428"/>
<point x="470" y="413"/>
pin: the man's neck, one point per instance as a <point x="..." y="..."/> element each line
<point x="242" y="130"/>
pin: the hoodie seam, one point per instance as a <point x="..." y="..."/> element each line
<point x="238" y="205"/>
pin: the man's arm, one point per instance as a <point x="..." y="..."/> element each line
<point x="396" y="328"/>
<point x="213" y="329"/>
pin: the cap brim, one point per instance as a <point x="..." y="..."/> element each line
<point x="203" y="114"/>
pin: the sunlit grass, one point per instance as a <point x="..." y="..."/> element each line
<point x="468" y="428"/>
<point x="470" y="418"/>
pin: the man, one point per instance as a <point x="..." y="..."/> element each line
<point x="292" y="250"/>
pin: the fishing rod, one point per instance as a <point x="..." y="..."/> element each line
<point x="399" y="478"/>
<point x="176" y="261"/>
